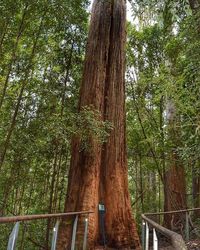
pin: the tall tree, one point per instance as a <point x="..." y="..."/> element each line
<point x="99" y="174"/>
<point x="174" y="174"/>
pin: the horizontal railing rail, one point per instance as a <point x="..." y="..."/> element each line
<point x="10" y="219"/>
<point x="175" y="211"/>
<point x="17" y="219"/>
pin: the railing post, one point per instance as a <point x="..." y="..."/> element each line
<point x="74" y="233"/>
<point x="187" y="229"/>
<point x="13" y="237"/>
<point x="85" y="234"/>
<point x="147" y="237"/>
<point x="54" y="237"/>
<point x="143" y="235"/>
<point x="155" y="240"/>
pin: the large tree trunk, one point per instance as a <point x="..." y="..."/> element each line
<point x="100" y="174"/>
<point x="174" y="174"/>
<point x="175" y="194"/>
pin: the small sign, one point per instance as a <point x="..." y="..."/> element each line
<point x="102" y="223"/>
<point x="101" y="207"/>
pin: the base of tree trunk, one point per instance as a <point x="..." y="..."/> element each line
<point x="109" y="248"/>
<point x="175" y="197"/>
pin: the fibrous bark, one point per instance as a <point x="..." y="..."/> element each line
<point x="175" y="194"/>
<point x="174" y="174"/>
<point x="100" y="174"/>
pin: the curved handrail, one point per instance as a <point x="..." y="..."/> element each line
<point x="176" y="239"/>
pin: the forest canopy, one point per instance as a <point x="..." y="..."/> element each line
<point x="42" y="51"/>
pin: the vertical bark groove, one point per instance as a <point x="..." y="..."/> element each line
<point x="174" y="175"/>
<point x="100" y="175"/>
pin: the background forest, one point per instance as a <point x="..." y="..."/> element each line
<point x="42" y="46"/>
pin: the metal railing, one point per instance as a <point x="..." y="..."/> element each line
<point x="176" y="239"/>
<point x="17" y="219"/>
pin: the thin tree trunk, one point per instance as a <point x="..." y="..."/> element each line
<point x="136" y="184"/>
<point x="58" y="150"/>
<point x="141" y="184"/>
<point x="13" y="57"/>
<point x="52" y="186"/>
<point x="62" y="193"/>
<point x="5" y="27"/>
<point x="163" y="156"/>
<point x="68" y="67"/>
<point x="145" y="135"/>
<point x="194" y="5"/>
<point x="57" y="182"/>
<point x="24" y="83"/>
<point x="8" y="188"/>
<point x="196" y="186"/>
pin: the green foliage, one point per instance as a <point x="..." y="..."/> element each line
<point x="163" y="64"/>
<point x="42" y="46"/>
<point x="89" y="125"/>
